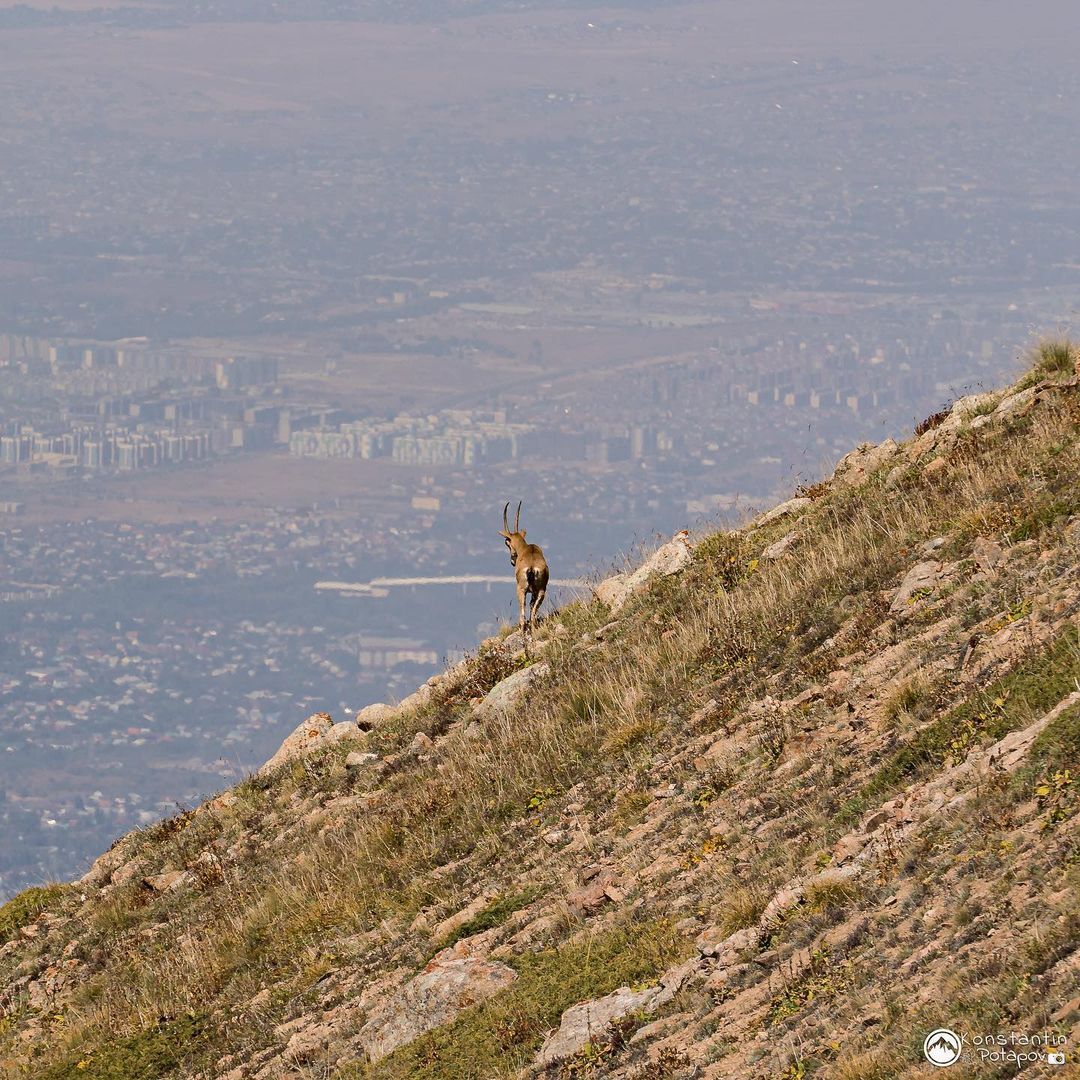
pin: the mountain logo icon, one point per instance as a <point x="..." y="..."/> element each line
<point x="942" y="1047"/>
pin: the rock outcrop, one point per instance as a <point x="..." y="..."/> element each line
<point x="433" y="998"/>
<point x="317" y="732"/>
<point x="668" y="559"/>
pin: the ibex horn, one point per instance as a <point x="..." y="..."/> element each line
<point x="517" y="520"/>
<point x="506" y="525"/>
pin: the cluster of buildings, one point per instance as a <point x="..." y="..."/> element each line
<point x="454" y="437"/>
<point x="75" y="407"/>
<point x="109" y="448"/>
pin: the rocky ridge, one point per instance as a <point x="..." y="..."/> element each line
<point x="778" y="802"/>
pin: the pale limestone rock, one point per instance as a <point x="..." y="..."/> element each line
<point x="781" y="547"/>
<point x="785" y="509"/>
<point x="416" y="700"/>
<point x="433" y="998"/>
<point x="1017" y="404"/>
<point x="783" y="901"/>
<point x="167" y="880"/>
<point x="964" y="407"/>
<point x="460" y="918"/>
<point x="372" y="716"/>
<point x="612" y="591"/>
<point x="594" y="893"/>
<point x="590" y="1020"/>
<point x="923" y="575"/>
<point x="670" y="558"/>
<point x="856" y="466"/>
<point x="317" y="732"/>
<point x="127" y="872"/>
<point x="504" y="695"/>
<point x="105" y="867"/>
<point x="934" y="468"/>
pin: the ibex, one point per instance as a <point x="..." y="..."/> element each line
<point x="530" y="566"/>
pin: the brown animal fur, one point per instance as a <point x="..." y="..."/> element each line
<point x="530" y="567"/>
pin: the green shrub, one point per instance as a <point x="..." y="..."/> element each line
<point x="1055" y="356"/>
<point x="495" y="914"/>
<point x="23" y="909"/>
<point x="151" y="1054"/>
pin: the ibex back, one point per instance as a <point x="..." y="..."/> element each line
<point x="530" y="566"/>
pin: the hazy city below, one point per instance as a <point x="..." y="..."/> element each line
<point x="292" y="304"/>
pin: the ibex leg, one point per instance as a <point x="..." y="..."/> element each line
<point x="538" y="599"/>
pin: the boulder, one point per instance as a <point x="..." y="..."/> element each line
<point x="504" y="695"/>
<point x="417" y="699"/>
<point x="444" y="929"/>
<point x="582" y="1023"/>
<point x="371" y="716"/>
<point x="106" y="866"/>
<point x="963" y="408"/>
<point x="1017" y="404"/>
<point x="792" y="506"/>
<point x="726" y="948"/>
<point x="167" y="880"/>
<point x="935" y="467"/>
<point x="612" y="591"/>
<point x="433" y="998"/>
<point x="317" y="732"/>
<point x="923" y="575"/>
<point x="856" y="466"/>
<point x="668" y="559"/>
<point x="589" y="1020"/>
<point x="599" y="888"/>
<point x="782" y="546"/>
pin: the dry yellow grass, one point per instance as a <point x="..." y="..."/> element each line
<point x="307" y="887"/>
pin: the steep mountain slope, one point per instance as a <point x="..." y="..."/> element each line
<point x="781" y="803"/>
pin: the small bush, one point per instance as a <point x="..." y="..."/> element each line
<point x="23" y="909"/>
<point x="830" y="894"/>
<point x="1055" y="356"/>
<point x="150" y="1054"/>
<point x="743" y="906"/>
<point x="495" y="914"/>
<point x="724" y="558"/>
<point x="914" y="698"/>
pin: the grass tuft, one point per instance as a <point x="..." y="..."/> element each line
<point x="23" y="909"/>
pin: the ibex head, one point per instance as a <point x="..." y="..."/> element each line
<point x="510" y="536"/>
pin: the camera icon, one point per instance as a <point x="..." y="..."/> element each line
<point x="1055" y="1057"/>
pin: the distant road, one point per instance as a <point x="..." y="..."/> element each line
<point x="380" y="586"/>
